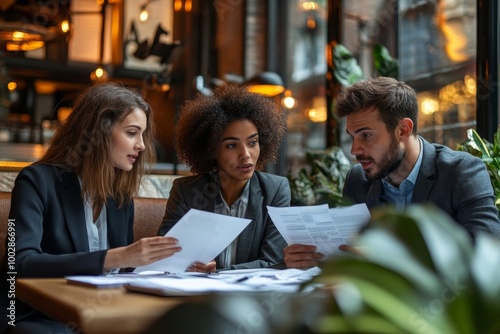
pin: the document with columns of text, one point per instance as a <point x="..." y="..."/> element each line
<point x="319" y="225"/>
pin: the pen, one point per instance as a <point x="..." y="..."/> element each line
<point x="242" y="279"/>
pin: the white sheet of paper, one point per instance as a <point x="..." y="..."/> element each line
<point x="202" y="235"/>
<point x="318" y="225"/>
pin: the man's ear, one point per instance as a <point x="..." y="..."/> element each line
<point x="405" y="128"/>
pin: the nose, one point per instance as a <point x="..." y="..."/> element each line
<point x="356" y="148"/>
<point x="139" y="145"/>
<point x="245" y="153"/>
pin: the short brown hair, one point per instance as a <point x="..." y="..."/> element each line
<point x="394" y="99"/>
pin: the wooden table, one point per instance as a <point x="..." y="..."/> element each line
<point x="95" y="310"/>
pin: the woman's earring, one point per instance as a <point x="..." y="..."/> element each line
<point x="215" y="169"/>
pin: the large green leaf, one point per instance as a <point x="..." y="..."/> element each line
<point x="346" y="69"/>
<point x="419" y="271"/>
<point x="384" y="64"/>
<point x="489" y="153"/>
<point x="383" y="292"/>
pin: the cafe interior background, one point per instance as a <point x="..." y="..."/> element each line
<point x="173" y="49"/>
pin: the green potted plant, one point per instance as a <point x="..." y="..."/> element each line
<point x="417" y="272"/>
<point x="322" y="180"/>
<point x="489" y="153"/>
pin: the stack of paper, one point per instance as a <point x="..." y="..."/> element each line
<point x="319" y="225"/>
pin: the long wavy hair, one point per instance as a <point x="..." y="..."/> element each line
<point x="84" y="143"/>
<point x="202" y="122"/>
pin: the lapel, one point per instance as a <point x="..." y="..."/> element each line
<point x="253" y="212"/>
<point x="425" y="180"/>
<point x="116" y="224"/>
<point x="211" y="190"/>
<point x="74" y="215"/>
<point x="374" y="193"/>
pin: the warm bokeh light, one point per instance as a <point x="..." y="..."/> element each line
<point x="177" y="5"/>
<point x="317" y="115"/>
<point x="64" y="26"/>
<point x="188" y="5"/>
<point x="99" y="74"/>
<point x="470" y="85"/>
<point x="11" y="86"/>
<point x="310" y="5"/>
<point x="429" y="106"/>
<point x="143" y="17"/>
<point x="455" y="40"/>
<point x="288" y="101"/>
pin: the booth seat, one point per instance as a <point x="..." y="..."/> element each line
<point x="148" y="214"/>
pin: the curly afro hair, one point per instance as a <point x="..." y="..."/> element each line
<point x="203" y="120"/>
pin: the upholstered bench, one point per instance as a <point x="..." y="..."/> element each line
<point x="148" y="214"/>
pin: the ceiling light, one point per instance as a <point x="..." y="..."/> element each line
<point x="266" y="83"/>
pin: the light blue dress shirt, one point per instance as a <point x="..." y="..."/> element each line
<point x="402" y="196"/>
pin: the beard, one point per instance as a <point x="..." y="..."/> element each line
<point x="391" y="161"/>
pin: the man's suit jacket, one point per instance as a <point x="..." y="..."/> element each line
<point x="51" y="235"/>
<point x="457" y="182"/>
<point x="260" y="244"/>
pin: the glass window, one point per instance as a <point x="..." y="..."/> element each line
<point x="305" y="79"/>
<point x="437" y="49"/>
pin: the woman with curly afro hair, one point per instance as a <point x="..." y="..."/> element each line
<point x="226" y="138"/>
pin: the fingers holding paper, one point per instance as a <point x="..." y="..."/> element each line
<point x="202" y="268"/>
<point x="142" y="252"/>
<point x="354" y="250"/>
<point x="301" y="256"/>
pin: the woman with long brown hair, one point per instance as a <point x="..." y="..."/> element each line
<point x="73" y="209"/>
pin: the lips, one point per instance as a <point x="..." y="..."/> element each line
<point x="132" y="157"/>
<point x="245" y="167"/>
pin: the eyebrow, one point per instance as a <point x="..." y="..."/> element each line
<point x="235" y="138"/>
<point x="360" y="130"/>
<point x="133" y="126"/>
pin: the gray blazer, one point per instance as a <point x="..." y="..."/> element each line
<point x="456" y="181"/>
<point x="260" y="244"/>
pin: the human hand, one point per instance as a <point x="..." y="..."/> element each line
<point x="354" y="250"/>
<point x="202" y="268"/>
<point x="141" y="252"/>
<point x="301" y="256"/>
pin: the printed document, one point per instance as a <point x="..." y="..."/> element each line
<point x="202" y="235"/>
<point x="319" y="225"/>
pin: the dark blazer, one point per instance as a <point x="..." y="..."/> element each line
<point x="259" y="244"/>
<point x="51" y="235"/>
<point x="456" y="181"/>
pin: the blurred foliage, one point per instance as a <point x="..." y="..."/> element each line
<point x="347" y="71"/>
<point x="416" y="272"/>
<point x="489" y="153"/>
<point x="322" y="180"/>
<point x="384" y="64"/>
